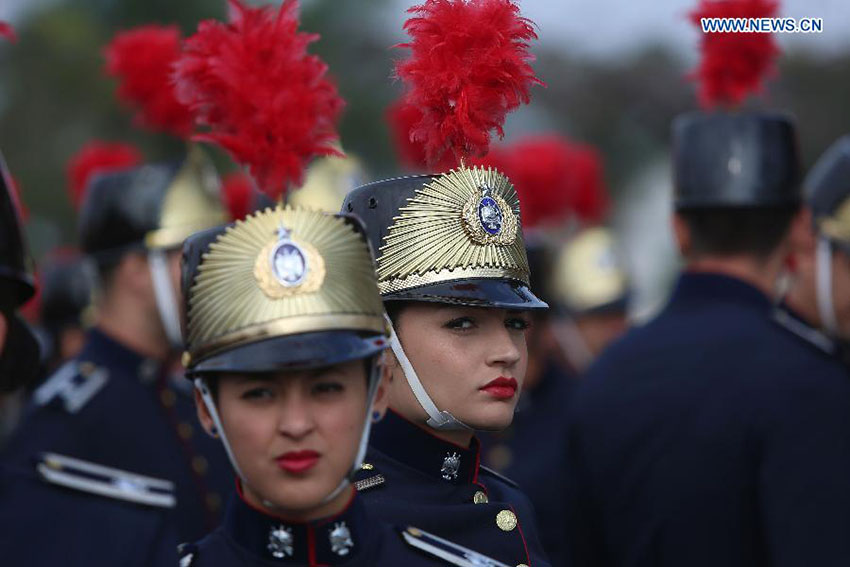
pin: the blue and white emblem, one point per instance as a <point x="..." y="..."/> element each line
<point x="288" y="260"/>
<point x="489" y="213"/>
<point x="451" y="466"/>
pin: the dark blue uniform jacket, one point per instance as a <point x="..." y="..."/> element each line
<point x="712" y="436"/>
<point x="116" y="408"/>
<point x="414" y="478"/>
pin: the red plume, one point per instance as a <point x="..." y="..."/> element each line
<point x="553" y="178"/>
<point x="402" y="117"/>
<point x="733" y="65"/>
<point x="8" y="32"/>
<point x="263" y="97"/>
<point x="238" y="193"/>
<point x="142" y="60"/>
<point x="469" y="66"/>
<point x="97" y="157"/>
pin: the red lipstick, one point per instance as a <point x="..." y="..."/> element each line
<point x="501" y="388"/>
<point x="297" y="462"/>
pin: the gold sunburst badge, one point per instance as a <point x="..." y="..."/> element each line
<point x="286" y="266"/>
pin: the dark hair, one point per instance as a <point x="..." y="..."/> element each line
<point x="394" y="309"/>
<point x="735" y="231"/>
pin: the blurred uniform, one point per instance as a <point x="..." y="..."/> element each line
<point x="131" y="525"/>
<point x="711" y="436"/>
<point x="412" y="476"/>
<point x="586" y="284"/>
<point x="110" y="404"/>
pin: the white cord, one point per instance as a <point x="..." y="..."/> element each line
<point x="823" y="286"/>
<point x="166" y="302"/>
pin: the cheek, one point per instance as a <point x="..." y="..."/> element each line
<point x="248" y="430"/>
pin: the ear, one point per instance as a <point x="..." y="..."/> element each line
<point x="382" y="398"/>
<point x="133" y="273"/>
<point x="204" y="414"/>
<point x="801" y="236"/>
<point x="682" y="234"/>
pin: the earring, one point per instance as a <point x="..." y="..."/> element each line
<point x="214" y="431"/>
<point x="376" y="416"/>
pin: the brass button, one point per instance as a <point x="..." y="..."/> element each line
<point x="185" y="431"/>
<point x="522" y="565"/>
<point x="213" y="501"/>
<point x="199" y="465"/>
<point x="480" y="498"/>
<point x="186" y="359"/>
<point x="168" y="398"/>
<point x="506" y="520"/>
<point x="367" y="467"/>
<point x="86" y="368"/>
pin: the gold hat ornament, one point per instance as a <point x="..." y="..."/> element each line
<point x="588" y="274"/>
<point x="280" y="272"/>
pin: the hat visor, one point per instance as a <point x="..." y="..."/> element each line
<point x="480" y="292"/>
<point x="294" y="352"/>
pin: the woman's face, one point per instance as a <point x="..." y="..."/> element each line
<point x="294" y="435"/>
<point x="470" y="360"/>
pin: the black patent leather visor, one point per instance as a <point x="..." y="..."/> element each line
<point x="294" y="352"/>
<point x="481" y="292"/>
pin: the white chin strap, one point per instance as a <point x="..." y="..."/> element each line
<point x="209" y="402"/>
<point x="166" y="302"/>
<point x="823" y="286"/>
<point x="374" y="380"/>
<point x="440" y="420"/>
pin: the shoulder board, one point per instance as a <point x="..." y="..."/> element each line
<point x="75" y="383"/>
<point x="105" y="481"/>
<point x="187" y="553"/>
<point x="446" y="550"/>
<point x="501" y="477"/>
<point x="369" y="478"/>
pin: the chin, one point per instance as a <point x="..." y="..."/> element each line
<point x="493" y="418"/>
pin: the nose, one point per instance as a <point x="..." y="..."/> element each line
<point x="296" y="419"/>
<point x="505" y="348"/>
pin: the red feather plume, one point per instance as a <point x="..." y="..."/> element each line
<point x="238" y="193"/>
<point x="262" y="96"/>
<point x="468" y="68"/>
<point x="402" y="117"/>
<point x="8" y="32"/>
<point x="97" y="157"/>
<point x="733" y="65"/>
<point x="553" y="177"/>
<point x="142" y="60"/>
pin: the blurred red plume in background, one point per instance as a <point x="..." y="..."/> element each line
<point x="97" y="157"/>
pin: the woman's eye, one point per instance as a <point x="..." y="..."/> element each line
<point x="257" y="394"/>
<point x="327" y="388"/>
<point x="461" y="323"/>
<point x="517" y="323"/>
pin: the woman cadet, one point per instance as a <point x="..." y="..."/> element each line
<point x="454" y="276"/>
<point x="284" y="336"/>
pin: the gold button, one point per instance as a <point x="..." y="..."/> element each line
<point x="480" y="498"/>
<point x="506" y="520"/>
<point x="186" y="359"/>
<point x="522" y="565"/>
<point x="367" y="467"/>
<point x="213" y="501"/>
<point x="86" y="368"/>
<point x="185" y="431"/>
<point x="167" y="397"/>
<point x="199" y="465"/>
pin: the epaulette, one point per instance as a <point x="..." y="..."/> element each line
<point x="372" y="478"/>
<point x="446" y="550"/>
<point x="501" y="477"/>
<point x="187" y="552"/>
<point x="75" y="383"/>
<point x="106" y="481"/>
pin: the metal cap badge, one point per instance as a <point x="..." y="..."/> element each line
<point x="283" y="273"/>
